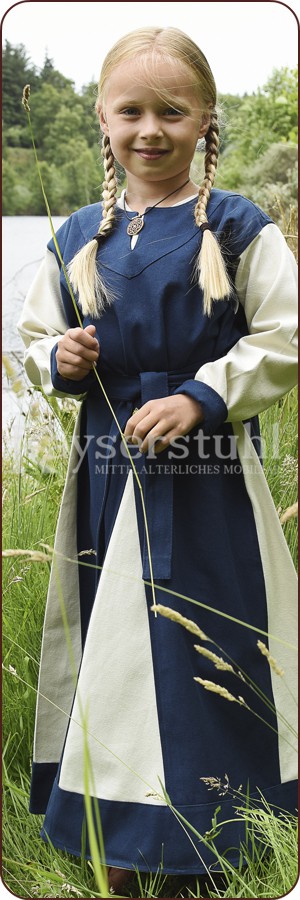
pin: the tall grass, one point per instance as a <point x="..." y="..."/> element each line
<point x="32" y="488"/>
<point x="280" y="435"/>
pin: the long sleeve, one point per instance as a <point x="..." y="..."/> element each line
<point x="42" y="322"/>
<point x="262" y="366"/>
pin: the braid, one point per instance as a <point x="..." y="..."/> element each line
<point x="109" y="193"/>
<point x="210" y="165"/>
<point x="84" y="275"/>
<point x="210" y="267"/>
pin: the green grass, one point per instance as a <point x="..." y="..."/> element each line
<point x="279" y="430"/>
<point x="32" y="492"/>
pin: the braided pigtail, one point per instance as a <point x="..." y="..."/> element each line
<point x="210" y="266"/>
<point x="84" y="275"/>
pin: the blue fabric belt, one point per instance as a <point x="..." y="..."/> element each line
<point x="158" y="486"/>
<point x="148" y="385"/>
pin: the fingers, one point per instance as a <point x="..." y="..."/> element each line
<point x="78" y="349"/>
<point x="84" y="337"/>
<point x="158" y="422"/>
<point x="77" y="352"/>
<point x="147" y="426"/>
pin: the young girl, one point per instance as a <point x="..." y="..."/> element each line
<point x="189" y="350"/>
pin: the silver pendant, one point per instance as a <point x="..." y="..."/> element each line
<point x="136" y="225"/>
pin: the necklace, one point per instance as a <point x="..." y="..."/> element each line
<point x="137" y="223"/>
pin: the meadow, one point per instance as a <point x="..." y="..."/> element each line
<point x="32" y="486"/>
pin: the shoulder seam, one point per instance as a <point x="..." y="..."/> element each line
<point x="241" y="197"/>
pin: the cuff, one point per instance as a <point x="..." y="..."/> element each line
<point x="67" y="385"/>
<point x="214" y="409"/>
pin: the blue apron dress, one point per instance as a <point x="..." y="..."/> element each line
<point x="148" y="722"/>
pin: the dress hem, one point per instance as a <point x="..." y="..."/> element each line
<point x="145" y="839"/>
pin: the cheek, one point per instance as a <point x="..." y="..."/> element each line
<point x="118" y="145"/>
<point x="118" y="136"/>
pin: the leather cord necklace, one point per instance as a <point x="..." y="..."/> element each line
<point x="137" y="223"/>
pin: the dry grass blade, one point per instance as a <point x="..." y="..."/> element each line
<point x="289" y="513"/>
<point x="34" y="555"/>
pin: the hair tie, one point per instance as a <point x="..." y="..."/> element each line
<point x="205" y="226"/>
<point x="97" y="237"/>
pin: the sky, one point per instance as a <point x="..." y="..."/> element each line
<point x="243" y="41"/>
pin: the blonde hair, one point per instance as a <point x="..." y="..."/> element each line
<point x="146" y="45"/>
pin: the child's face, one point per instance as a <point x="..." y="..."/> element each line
<point x="152" y="140"/>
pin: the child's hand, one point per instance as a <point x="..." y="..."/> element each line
<point x="77" y="351"/>
<point x="163" y="420"/>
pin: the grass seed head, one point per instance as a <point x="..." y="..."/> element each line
<point x="272" y="662"/>
<point x="13" y="671"/>
<point x="218" y="689"/>
<point x="181" y="620"/>
<point x="34" y="555"/>
<point x="25" y="97"/>
<point x="8" y="368"/>
<point x="290" y="513"/>
<point x="218" y="661"/>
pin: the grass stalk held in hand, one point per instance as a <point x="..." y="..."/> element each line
<point x="25" y="101"/>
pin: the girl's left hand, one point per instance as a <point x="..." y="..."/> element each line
<point x="162" y="421"/>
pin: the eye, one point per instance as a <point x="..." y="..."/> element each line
<point x="172" y="111"/>
<point x="130" y="111"/>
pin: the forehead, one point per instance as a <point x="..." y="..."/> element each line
<point x="147" y="78"/>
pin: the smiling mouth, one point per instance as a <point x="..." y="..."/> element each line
<point x="151" y="152"/>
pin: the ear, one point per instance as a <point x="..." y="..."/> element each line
<point x="204" y="124"/>
<point x="103" y="122"/>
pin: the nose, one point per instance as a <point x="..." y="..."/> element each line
<point x="150" y="127"/>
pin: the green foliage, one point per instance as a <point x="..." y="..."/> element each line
<point x="259" y="154"/>
<point x="278" y="165"/>
<point x="81" y="174"/>
<point x="74" y="183"/>
<point x="9" y="205"/>
<point x="280" y="452"/>
<point x="66" y="124"/>
<point x="270" y="115"/>
<point x="17" y="70"/>
<point x="271" y="182"/>
<point x="50" y="75"/>
<point x="70" y="159"/>
<point x="58" y="106"/>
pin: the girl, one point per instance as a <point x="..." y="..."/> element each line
<point x="189" y="349"/>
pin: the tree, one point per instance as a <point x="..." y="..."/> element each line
<point x="267" y="116"/>
<point x="64" y="129"/>
<point x="83" y="176"/>
<point x="8" y="186"/>
<point x="50" y="75"/>
<point x="228" y="106"/>
<point x="45" y="105"/>
<point x="17" y="70"/>
<point x="87" y="99"/>
<point x="54" y="188"/>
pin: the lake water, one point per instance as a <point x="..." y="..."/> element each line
<point x="24" y="240"/>
<point x="24" y="243"/>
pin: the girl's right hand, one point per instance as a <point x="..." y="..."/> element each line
<point x="77" y="352"/>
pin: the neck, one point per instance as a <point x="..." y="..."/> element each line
<point x="140" y="195"/>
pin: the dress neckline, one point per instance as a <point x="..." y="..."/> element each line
<point x="123" y="205"/>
